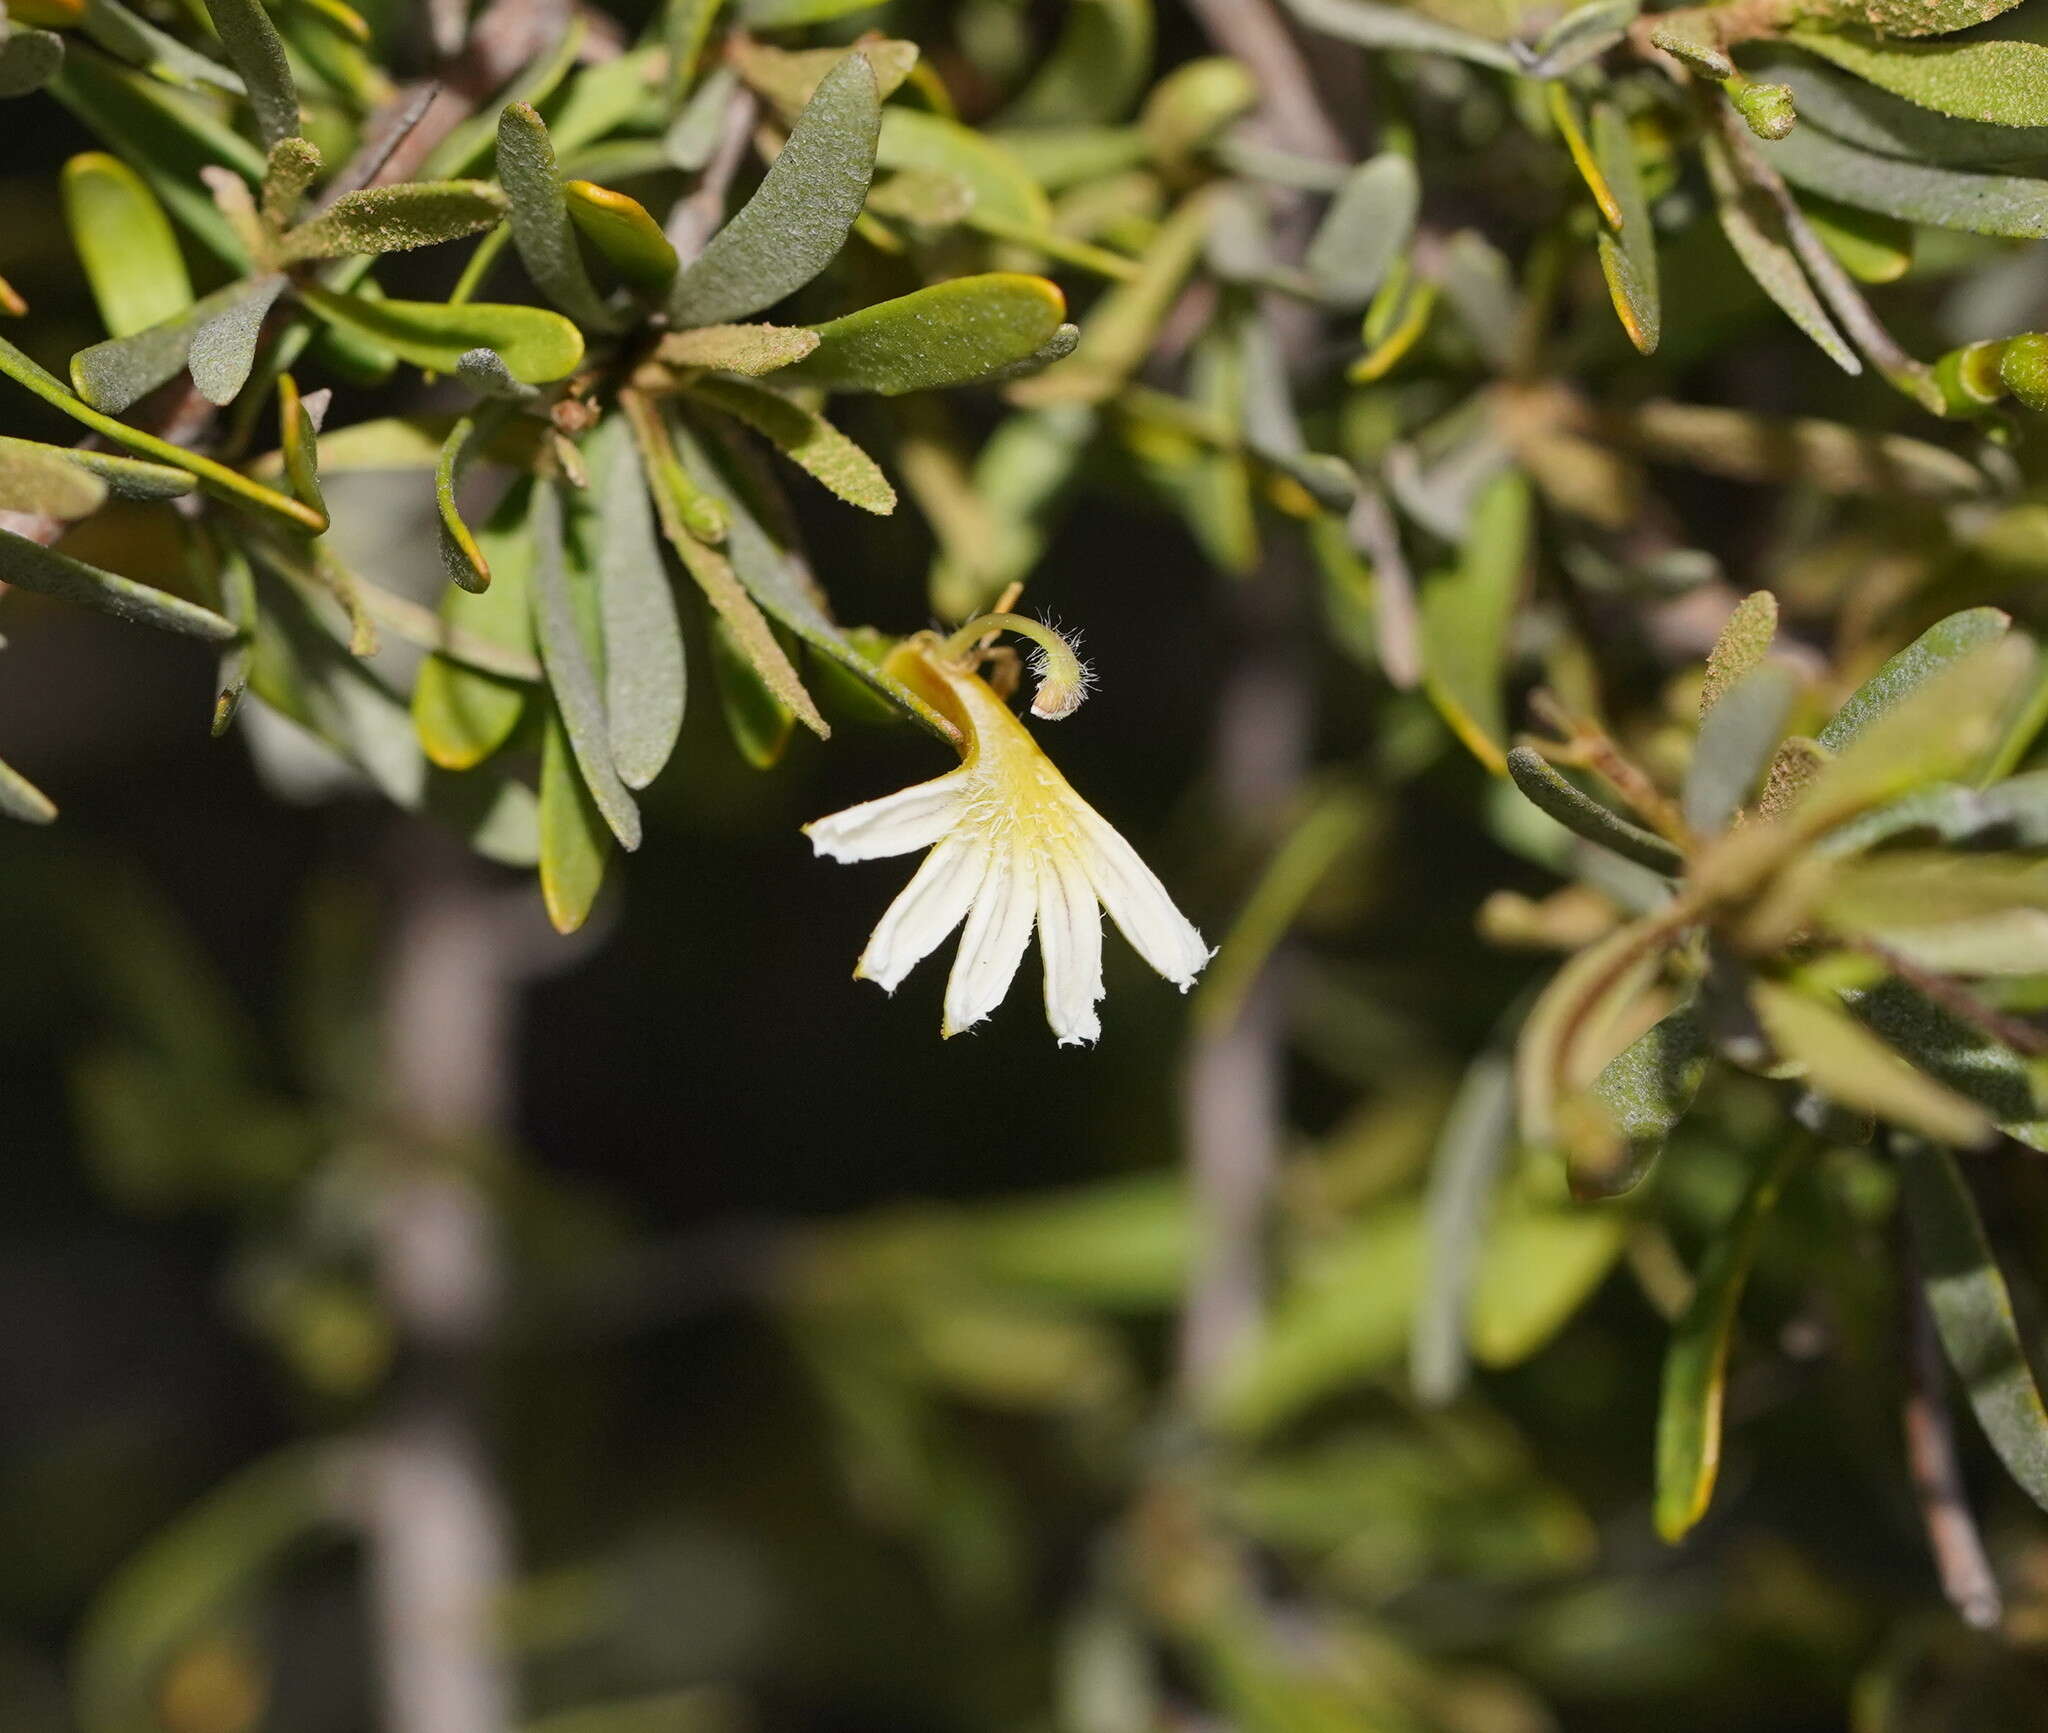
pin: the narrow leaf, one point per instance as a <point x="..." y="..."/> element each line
<point x="224" y="345"/>
<point x="124" y="240"/>
<point x="1689" y="1412"/>
<point x="1096" y="70"/>
<point x="1989" y="79"/>
<point x="1628" y="260"/>
<point x="396" y="219"/>
<point x="1464" y="1169"/>
<point x="1872" y="119"/>
<point x="806" y="438"/>
<point x="461" y="559"/>
<point x="537" y="345"/>
<point x="464" y="714"/>
<point x="43" y="479"/>
<point x="759" y="723"/>
<point x="1582" y="814"/>
<point x="1840" y="1059"/>
<point x="749" y="349"/>
<point x="257" y="51"/>
<point x="1000" y="185"/>
<point x="579" y="699"/>
<point x="1744" y="640"/>
<point x="644" y="669"/>
<point x="540" y="219"/>
<point x="1966" y="1292"/>
<point x="798" y="218"/>
<point x="1466" y="614"/>
<point x="1620" y="1125"/>
<point x="624" y="236"/>
<point x="1755" y="228"/>
<point x="953" y="333"/>
<point x="1367" y="227"/>
<point x="1959" y="1054"/>
<point x="1941" y="646"/>
<point x="1950" y="198"/>
<point x="574" y="843"/>
<point x="1371" y="24"/>
<point x="29" y="566"/>
<point x="1734" y="745"/>
<point x="789" y="79"/>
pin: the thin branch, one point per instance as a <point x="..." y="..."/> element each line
<point x="1959" y="1557"/>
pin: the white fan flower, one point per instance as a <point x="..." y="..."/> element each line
<point x="1013" y="847"/>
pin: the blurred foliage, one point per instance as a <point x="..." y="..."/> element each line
<point x="1577" y="470"/>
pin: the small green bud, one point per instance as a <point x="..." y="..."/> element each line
<point x="1766" y="108"/>
<point x="2023" y="367"/>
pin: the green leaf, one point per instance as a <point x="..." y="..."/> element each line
<point x="644" y="669"/>
<point x="1583" y="815"/>
<point x="224" y="343"/>
<point x="624" y="236"/>
<point x="1629" y="261"/>
<point x="299" y="444"/>
<point x="218" y="479"/>
<point x="1582" y="35"/>
<point x="2010" y="814"/>
<point x="1734" y="745"/>
<point x="29" y="59"/>
<point x="1464" y="1169"/>
<point x="396" y="219"/>
<point x="1619" y="1127"/>
<point x="1941" y="646"/>
<point x="21" y="800"/>
<point x="1983" y="204"/>
<point x="29" y="566"/>
<point x="1996" y="80"/>
<point x="749" y="349"/>
<point x="1755" y="228"/>
<point x="1096" y="69"/>
<point x="1373" y="25"/>
<point x="1871" y="119"/>
<point x="1838" y="1058"/>
<point x="235" y="585"/>
<point x="124" y="477"/>
<point x="257" y="51"/>
<point x="541" y="229"/>
<point x="563" y="591"/>
<point x="1696" y="1363"/>
<point x="1367" y="227"/>
<point x="461" y="559"/>
<point x="169" y="136"/>
<point x="288" y="172"/>
<point x="1960" y="1055"/>
<point x="124" y="240"/>
<point x="1003" y="188"/>
<point x="575" y="844"/>
<point x="123" y="370"/>
<point x="798" y="218"/>
<point x="1913" y="17"/>
<point x="43" y="479"/>
<point x="537" y="346"/>
<point x="132" y="38"/>
<point x="1466" y="614"/>
<point x="953" y="333"/>
<point x="806" y="438"/>
<point x="1973" y="1314"/>
<point x="469" y="146"/>
<point x="1740" y="646"/>
<point x="464" y="714"/>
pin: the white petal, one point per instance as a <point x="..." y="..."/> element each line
<point x="1070" y="946"/>
<point x="900" y="823"/>
<point x="926" y="910"/>
<point x="992" y="945"/>
<point x="1138" y="902"/>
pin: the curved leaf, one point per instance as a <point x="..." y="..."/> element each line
<point x="806" y="438"/>
<point x="954" y="333"/>
<point x="644" y="672"/>
<point x="541" y="229"/>
<point x="257" y="51"/>
<point x="30" y="566"/>
<point x="624" y="235"/>
<point x="536" y="345"/>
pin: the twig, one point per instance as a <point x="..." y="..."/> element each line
<point x="437" y="1528"/>
<point x="1959" y="1558"/>
<point x="1292" y="118"/>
